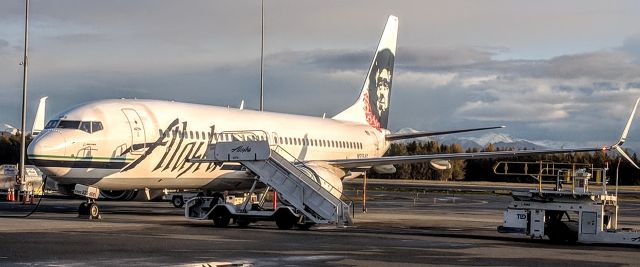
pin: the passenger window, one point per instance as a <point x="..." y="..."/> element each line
<point x="197" y="135"/>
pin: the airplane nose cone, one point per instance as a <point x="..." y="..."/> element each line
<point x="47" y="144"/>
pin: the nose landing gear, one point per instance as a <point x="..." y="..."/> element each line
<point x="88" y="209"/>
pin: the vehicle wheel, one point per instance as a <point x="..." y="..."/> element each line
<point x="559" y="232"/>
<point x="243" y="222"/>
<point x="305" y="226"/>
<point x="94" y="211"/>
<point x="285" y="220"/>
<point x="221" y="219"/>
<point x="177" y="201"/>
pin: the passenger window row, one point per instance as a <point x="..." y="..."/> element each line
<point x="279" y="140"/>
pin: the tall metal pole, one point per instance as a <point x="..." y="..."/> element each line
<point x="262" y="56"/>
<point x="25" y="64"/>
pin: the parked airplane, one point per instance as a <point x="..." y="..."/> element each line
<point x="127" y="144"/>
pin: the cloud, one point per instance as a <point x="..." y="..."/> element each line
<point x="428" y="80"/>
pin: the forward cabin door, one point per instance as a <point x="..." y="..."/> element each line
<point x="138" y="134"/>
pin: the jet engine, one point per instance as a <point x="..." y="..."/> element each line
<point x="326" y="175"/>
<point x="384" y="169"/>
<point x="440" y="165"/>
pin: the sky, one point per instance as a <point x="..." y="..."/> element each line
<point x="561" y="72"/>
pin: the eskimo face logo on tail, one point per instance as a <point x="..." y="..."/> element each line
<point x="376" y="99"/>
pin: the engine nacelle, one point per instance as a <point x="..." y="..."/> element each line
<point x="440" y="165"/>
<point x="329" y="177"/>
<point x="384" y="169"/>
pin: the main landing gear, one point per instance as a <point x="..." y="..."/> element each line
<point x="88" y="209"/>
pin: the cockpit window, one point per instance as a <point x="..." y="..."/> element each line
<point x="69" y="124"/>
<point x="51" y="124"/>
<point x="85" y="126"/>
<point x="96" y="126"/>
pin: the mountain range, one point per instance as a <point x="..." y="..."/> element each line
<point x="499" y="140"/>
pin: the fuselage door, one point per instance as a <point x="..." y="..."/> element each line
<point x="138" y="135"/>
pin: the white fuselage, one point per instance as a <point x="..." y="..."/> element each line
<point x="139" y="144"/>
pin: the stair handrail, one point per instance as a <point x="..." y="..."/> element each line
<point x="277" y="147"/>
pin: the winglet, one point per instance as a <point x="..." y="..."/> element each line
<point x="623" y="137"/>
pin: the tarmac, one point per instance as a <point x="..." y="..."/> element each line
<point x="400" y="228"/>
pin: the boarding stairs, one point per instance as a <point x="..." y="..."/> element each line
<point x="308" y="193"/>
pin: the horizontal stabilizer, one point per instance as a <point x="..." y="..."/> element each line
<point x="401" y="136"/>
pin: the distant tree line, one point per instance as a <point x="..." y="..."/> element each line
<point x="482" y="169"/>
<point x="10" y="148"/>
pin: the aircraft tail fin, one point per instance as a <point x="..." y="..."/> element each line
<point x="38" y="123"/>
<point x="372" y="105"/>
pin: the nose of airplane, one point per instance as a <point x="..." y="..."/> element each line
<point x="50" y="143"/>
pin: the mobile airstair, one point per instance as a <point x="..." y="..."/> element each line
<point x="309" y="199"/>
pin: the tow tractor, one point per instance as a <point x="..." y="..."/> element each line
<point x="568" y="210"/>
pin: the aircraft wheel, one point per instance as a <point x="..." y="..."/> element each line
<point x="177" y="201"/>
<point x="94" y="211"/>
<point x="83" y="209"/>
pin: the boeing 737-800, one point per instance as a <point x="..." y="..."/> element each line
<point x="127" y="144"/>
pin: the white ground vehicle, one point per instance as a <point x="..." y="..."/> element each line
<point x="574" y="214"/>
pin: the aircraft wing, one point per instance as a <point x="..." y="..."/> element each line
<point x="401" y="136"/>
<point x="368" y="162"/>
